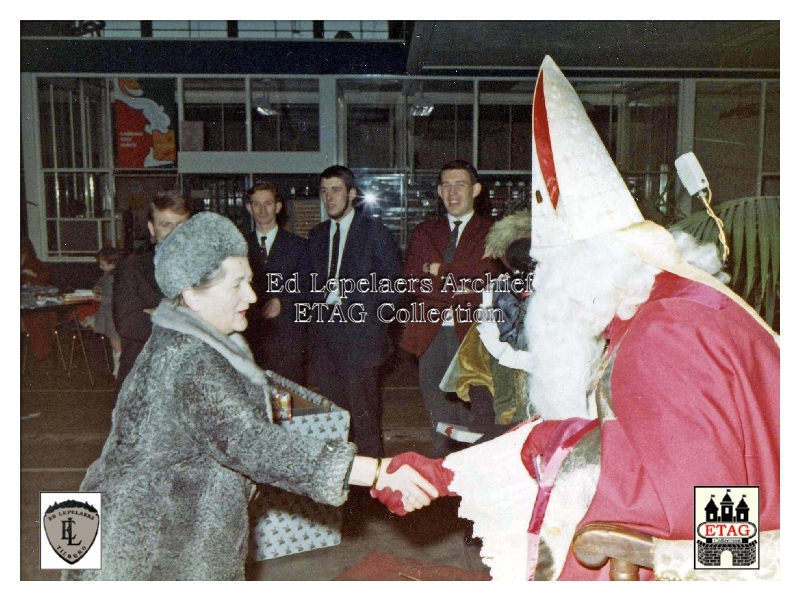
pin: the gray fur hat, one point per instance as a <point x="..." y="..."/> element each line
<point x="194" y="249"/>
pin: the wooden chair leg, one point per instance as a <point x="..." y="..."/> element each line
<point x="622" y="570"/>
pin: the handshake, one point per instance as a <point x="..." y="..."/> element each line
<point x="411" y="480"/>
<point x="403" y="490"/>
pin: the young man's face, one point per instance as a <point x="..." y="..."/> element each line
<point x="264" y="209"/>
<point x="337" y="199"/>
<point x="163" y="223"/>
<point x="457" y="192"/>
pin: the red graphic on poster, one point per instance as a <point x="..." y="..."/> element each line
<point x="144" y="135"/>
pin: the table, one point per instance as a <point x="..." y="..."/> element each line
<point x="67" y="308"/>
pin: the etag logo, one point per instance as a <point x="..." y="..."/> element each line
<point x="726" y="527"/>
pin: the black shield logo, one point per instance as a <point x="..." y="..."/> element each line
<point x="71" y="528"/>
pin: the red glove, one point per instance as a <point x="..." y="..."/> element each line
<point x="548" y="436"/>
<point x="431" y="469"/>
<point x="536" y="443"/>
<point x="392" y="499"/>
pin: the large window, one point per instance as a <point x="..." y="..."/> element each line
<point x="74" y="129"/>
<point x="444" y="133"/>
<point x="726" y="136"/>
<point x="105" y="144"/>
<point x="285" y="115"/>
<point x="771" y="167"/>
<point x="375" y="122"/>
<point x="214" y="115"/>
<point x="504" y="126"/>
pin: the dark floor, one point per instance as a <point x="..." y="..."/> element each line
<point x="65" y="421"/>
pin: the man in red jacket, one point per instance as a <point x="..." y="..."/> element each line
<point x="444" y="251"/>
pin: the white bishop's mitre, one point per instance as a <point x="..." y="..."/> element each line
<point x="577" y="190"/>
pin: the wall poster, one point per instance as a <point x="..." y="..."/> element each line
<point x="145" y="114"/>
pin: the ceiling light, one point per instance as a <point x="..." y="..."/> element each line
<point x="266" y="110"/>
<point x="421" y="106"/>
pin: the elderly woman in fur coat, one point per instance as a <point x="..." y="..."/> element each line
<point x="192" y="431"/>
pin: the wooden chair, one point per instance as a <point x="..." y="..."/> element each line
<point x="627" y="549"/>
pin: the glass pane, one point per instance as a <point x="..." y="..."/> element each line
<point x="235" y="136"/>
<point x="73" y="122"/>
<point x="369" y="136"/>
<point x="504" y="125"/>
<point x="79" y="238"/>
<point x="52" y="236"/>
<point x="77" y="195"/>
<point x="376" y="117"/>
<point x="446" y="132"/>
<point x="443" y="136"/>
<point x="214" y="115"/>
<point x="772" y="129"/>
<point x="494" y="133"/>
<point x="647" y="144"/>
<point x="521" y="123"/>
<point x="726" y="129"/>
<point x="285" y="115"/>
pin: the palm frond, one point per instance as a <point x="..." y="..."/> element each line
<point x="752" y="226"/>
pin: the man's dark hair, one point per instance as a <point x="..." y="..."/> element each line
<point x="169" y="200"/>
<point x="264" y="186"/>
<point x="343" y="173"/>
<point x="110" y="255"/>
<point x="460" y="165"/>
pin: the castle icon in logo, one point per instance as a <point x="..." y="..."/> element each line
<point x="727" y="528"/>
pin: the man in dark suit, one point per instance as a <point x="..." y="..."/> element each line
<point x="136" y="293"/>
<point x="347" y="340"/>
<point x="277" y="341"/>
<point x="448" y="247"/>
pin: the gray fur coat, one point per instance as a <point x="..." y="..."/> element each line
<point x="190" y="435"/>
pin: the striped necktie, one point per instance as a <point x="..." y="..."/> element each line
<point x="451" y="246"/>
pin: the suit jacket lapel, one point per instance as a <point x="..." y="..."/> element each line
<point x="441" y="236"/>
<point x="321" y="258"/>
<point x="276" y="251"/>
<point x="351" y="245"/>
<point x="468" y="239"/>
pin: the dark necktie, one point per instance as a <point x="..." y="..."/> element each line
<point x="334" y="253"/>
<point x="264" y="247"/>
<point x="451" y="245"/>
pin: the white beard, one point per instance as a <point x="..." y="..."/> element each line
<point x="579" y="289"/>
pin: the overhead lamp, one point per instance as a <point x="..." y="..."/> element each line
<point x="421" y="106"/>
<point x="265" y="109"/>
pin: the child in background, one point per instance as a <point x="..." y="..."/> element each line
<point x="107" y="259"/>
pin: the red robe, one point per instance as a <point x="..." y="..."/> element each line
<point x="696" y="391"/>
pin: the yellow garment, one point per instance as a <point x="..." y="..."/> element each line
<point x="474" y="366"/>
